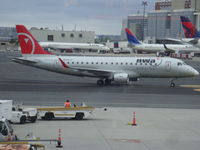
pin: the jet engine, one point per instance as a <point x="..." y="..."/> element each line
<point x="121" y="77"/>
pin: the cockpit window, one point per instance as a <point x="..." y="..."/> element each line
<point x="181" y="63"/>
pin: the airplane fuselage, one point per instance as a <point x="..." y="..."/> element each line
<point x="134" y="67"/>
<point x="81" y="46"/>
<point x="187" y="48"/>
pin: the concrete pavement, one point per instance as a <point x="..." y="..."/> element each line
<point x="156" y="129"/>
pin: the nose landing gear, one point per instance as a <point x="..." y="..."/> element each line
<point x="172" y="84"/>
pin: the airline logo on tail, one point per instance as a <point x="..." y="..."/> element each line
<point x="188" y="28"/>
<point x="27" y="42"/>
<point x="131" y="37"/>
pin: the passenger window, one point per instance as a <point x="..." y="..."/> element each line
<point x="131" y="63"/>
<point x="121" y="63"/>
<point x="96" y="62"/>
<point x="77" y="63"/>
<point x="92" y="63"/>
<point x="126" y="63"/>
<point x="111" y="63"/>
<point x="86" y="62"/>
<point x="81" y="62"/>
<point x="72" y="62"/>
<point x="102" y="63"/>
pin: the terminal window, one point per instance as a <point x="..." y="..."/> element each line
<point x="50" y="37"/>
<point x="63" y="34"/>
<point x="80" y="35"/>
<point x="168" y="22"/>
<point x="71" y="35"/>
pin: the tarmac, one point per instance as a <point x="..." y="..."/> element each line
<point x="157" y="129"/>
<point x="167" y="118"/>
<point x="32" y="86"/>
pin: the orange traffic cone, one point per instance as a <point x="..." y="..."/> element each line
<point x="134" y="120"/>
<point x="59" y="139"/>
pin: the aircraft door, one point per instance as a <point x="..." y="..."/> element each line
<point x="168" y="65"/>
<point x="56" y="64"/>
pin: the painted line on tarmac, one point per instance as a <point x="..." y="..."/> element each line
<point x="197" y="90"/>
<point x="196" y="87"/>
<point x="190" y="86"/>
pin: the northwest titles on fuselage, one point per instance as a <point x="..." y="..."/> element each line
<point x="147" y="61"/>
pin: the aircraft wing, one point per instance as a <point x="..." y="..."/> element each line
<point x="91" y="71"/>
<point x="194" y="41"/>
<point x="97" y="72"/>
<point x="169" y="50"/>
<point x="22" y="60"/>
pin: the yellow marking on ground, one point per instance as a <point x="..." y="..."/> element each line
<point x="198" y="90"/>
<point x="190" y="86"/>
<point x="65" y="109"/>
<point x="13" y="142"/>
<point x="64" y="114"/>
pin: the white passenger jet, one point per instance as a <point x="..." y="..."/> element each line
<point x="158" y="48"/>
<point x="107" y="69"/>
<point x="75" y="46"/>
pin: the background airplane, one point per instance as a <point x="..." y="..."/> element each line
<point x="158" y="48"/>
<point x="74" y="46"/>
<point x="190" y="31"/>
<point x="107" y="69"/>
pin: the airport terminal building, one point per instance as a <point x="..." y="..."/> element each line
<point x="47" y="35"/>
<point x="164" y="21"/>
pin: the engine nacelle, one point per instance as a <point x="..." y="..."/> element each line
<point x="121" y="77"/>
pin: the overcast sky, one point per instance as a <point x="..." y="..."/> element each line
<point x="101" y="16"/>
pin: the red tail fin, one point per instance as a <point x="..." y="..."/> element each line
<point x="27" y="42"/>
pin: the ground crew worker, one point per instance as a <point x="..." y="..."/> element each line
<point x="67" y="103"/>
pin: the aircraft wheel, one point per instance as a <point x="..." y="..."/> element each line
<point x="107" y="82"/>
<point x="100" y="82"/>
<point x="172" y="84"/>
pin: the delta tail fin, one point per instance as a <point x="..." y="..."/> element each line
<point x="189" y="29"/>
<point x="28" y="44"/>
<point x="131" y="37"/>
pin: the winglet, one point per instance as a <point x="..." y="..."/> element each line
<point x="28" y="43"/>
<point x="63" y="63"/>
<point x="131" y="37"/>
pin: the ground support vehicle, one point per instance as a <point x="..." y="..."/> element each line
<point x="78" y="112"/>
<point x="20" y="145"/>
<point x="17" y="114"/>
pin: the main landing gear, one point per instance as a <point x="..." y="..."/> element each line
<point x="102" y="82"/>
<point x="172" y="84"/>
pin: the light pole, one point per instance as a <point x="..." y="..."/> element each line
<point x="144" y="4"/>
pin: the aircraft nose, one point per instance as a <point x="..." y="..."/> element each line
<point x="196" y="73"/>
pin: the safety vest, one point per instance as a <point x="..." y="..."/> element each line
<point x="67" y="104"/>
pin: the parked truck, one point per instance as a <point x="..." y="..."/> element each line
<point x="17" y="114"/>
